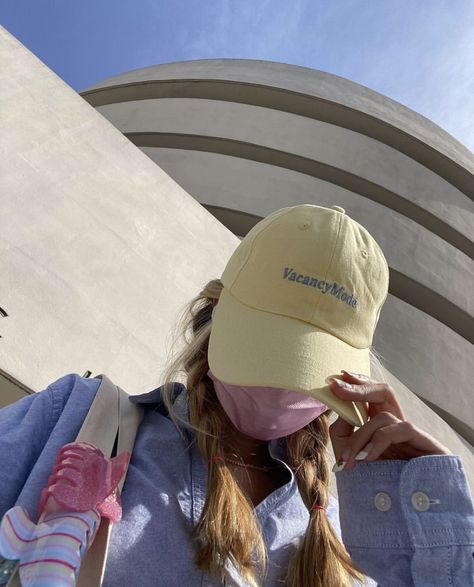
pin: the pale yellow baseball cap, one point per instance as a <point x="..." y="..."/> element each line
<point x="301" y="299"/>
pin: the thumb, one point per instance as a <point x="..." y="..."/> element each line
<point x="340" y="429"/>
<point x="339" y="433"/>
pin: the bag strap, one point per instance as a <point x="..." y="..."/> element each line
<point x="112" y="406"/>
<point x="126" y="417"/>
<point x="104" y="409"/>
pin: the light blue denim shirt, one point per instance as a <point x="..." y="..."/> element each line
<point x="405" y="523"/>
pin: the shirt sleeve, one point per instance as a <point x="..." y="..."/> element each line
<point x="30" y="426"/>
<point x="409" y="523"/>
<point x="24" y="428"/>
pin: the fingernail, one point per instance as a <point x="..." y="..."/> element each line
<point x="338" y="466"/>
<point x="343" y="384"/>
<point x="329" y="380"/>
<point x="339" y="382"/>
<point x="345" y="455"/>
<point x="358" y="375"/>
<point x="360" y="456"/>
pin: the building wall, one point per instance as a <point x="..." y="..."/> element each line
<point x="99" y="248"/>
<point x="248" y="137"/>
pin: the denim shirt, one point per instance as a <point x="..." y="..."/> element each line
<point x="405" y="523"/>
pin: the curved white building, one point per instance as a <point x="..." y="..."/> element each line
<point x="100" y="247"/>
<point x="248" y="137"/>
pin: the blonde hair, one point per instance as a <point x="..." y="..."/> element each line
<point x="228" y="529"/>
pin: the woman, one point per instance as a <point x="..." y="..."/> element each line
<point x="229" y="477"/>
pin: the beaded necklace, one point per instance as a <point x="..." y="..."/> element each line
<point x="265" y="468"/>
<point x="315" y="506"/>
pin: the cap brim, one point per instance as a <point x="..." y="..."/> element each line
<point x="256" y="348"/>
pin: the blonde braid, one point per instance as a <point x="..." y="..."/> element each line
<point x="228" y="529"/>
<point x="321" y="560"/>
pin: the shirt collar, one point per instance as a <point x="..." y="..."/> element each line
<point x="155" y="397"/>
<point x="277" y="447"/>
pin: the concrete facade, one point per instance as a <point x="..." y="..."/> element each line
<point x="100" y="248"/>
<point x="248" y="137"/>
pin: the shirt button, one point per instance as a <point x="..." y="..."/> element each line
<point x="420" y="501"/>
<point x="383" y="501"/>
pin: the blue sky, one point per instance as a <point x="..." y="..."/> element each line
<point x="419" y="52"/>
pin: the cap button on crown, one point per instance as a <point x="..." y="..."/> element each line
<point x="338" y="209"/>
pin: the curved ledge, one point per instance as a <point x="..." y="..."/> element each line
<point x="236" y="221"/>
<point x="463" y="429"/>
<point x="310" y="167"/>
<point x="401" y="286"/>
<point x="421" y="297"/>
<point x="310" y="106"/>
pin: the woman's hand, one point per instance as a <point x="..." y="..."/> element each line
<point x="386" y="435"/>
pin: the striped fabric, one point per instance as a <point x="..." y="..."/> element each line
<point x="81" y="488"/>
<point x="51" y="551"/>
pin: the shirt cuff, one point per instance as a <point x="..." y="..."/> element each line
<point x="422" y="502"/>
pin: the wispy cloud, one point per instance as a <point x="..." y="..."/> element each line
<point x="418" y="52"/>
<point x="446" y="92"/>
<point x="421" y="54"/>
<point x="244" y="29"/>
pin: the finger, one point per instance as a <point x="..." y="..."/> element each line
<point x="380" y="394"/>
<point x="364" y="434"/>
<point x="358" y="378"/>
<point x="340" y="433"/>
<point x="340" y="429"/>
<point x="386" y="436"/>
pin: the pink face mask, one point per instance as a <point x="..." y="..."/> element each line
<point x="266" y="413"/>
